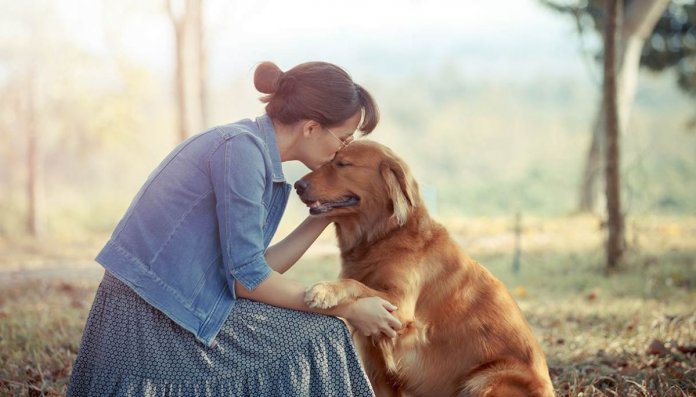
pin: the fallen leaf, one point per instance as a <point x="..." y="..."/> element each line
<point x="593" y="295"/>
<point x="687" y="349"/>
<point x="657" y="348"/>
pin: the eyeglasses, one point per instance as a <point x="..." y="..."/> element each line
<point x="344" y="142"/>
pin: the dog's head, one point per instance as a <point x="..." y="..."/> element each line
<point x="365" y="180"/>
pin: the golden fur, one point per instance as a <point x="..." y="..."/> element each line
<point x="463" y="333"/>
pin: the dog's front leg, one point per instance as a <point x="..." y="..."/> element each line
<point x="383" y="388"/>
<point x="328" y="294"/>
<point x="374" y="361"/>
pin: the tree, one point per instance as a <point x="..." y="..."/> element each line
<point x="615" y="240"/>
<point x="190" y="61"/>
<point x="61" y="106"/>
<point x="21" y="58"/>
<point x="647" y="26"/>
<point x="673" y="45"/>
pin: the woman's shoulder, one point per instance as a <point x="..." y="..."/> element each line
<point x="240" y="136"/>
<point x="231" y="130"/>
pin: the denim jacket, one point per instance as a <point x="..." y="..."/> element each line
<point x="203" y="219"/>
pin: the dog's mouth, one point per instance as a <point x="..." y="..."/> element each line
<point x="317" y="207"/>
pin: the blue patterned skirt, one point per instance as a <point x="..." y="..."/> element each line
<point x="129" y="348"/>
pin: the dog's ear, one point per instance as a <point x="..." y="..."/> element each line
<point x="400" y="189"/>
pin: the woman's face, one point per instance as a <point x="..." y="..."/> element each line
<point x="321" y="143"/>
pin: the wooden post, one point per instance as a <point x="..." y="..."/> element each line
<point x="518" y="248"/>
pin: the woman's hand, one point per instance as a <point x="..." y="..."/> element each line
<point x="372" y="316"/>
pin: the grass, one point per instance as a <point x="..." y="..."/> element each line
<point x="631" y="332"/>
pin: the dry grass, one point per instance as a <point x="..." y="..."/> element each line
<point x="40" y="326"/>
<point x="629" y="333"/>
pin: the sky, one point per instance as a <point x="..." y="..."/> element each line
<point x="498" y="39"/>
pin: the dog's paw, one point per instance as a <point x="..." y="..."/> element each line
<point x="322" y="295"/>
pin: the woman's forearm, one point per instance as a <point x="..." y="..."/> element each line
<point x="278" y="290"/>
<point x="285" y="253"/>
<point x="369" y="315"/>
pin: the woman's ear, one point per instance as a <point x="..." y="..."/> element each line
<point x="399" y="188"/>
<point x="310" y="127"/>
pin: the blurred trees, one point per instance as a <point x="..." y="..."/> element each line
<point x="23" y="91"/>
<point x="190" y="66"/>
<point x="657" y="34"/>
<point x="61" y="107"/>
<point x="672" y="45"/>
<point x="102" y="104"/>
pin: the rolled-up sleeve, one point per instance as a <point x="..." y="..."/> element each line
<point x="239" y="178"/>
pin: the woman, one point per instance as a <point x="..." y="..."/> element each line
<point x="193" y="301"/>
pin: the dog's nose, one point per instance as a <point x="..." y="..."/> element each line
<point x="301" y="186"/>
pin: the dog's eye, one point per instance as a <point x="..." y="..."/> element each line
<point x="341" y="164"/>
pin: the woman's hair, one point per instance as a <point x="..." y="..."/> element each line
<point x="317" y="91"/>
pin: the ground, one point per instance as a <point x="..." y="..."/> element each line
<point x="629" y="332"/>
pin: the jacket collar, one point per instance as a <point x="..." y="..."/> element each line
<point x="268" y="134"/>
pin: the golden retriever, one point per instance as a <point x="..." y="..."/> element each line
<point x="463" y="333"/>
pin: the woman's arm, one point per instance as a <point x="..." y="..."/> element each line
<point x="240" y="212"/>
<point x="282" y="255"/>
<point x="371" y="316"/>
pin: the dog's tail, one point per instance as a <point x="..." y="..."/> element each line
<point x="507" y="379"/>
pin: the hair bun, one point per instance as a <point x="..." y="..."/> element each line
<point x="266" y="77"/>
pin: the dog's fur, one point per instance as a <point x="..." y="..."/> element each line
<point x="463" y="333"/>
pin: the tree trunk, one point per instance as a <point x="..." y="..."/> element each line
<point x="182" y="112"/>
<point x="615" y="222"/>
<point x="190" y="65"/>
<point x="593" y="163"/>
<point x="32" y="160"/>
<point x="638" y="22"/>
<point x="202" y="66"/>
